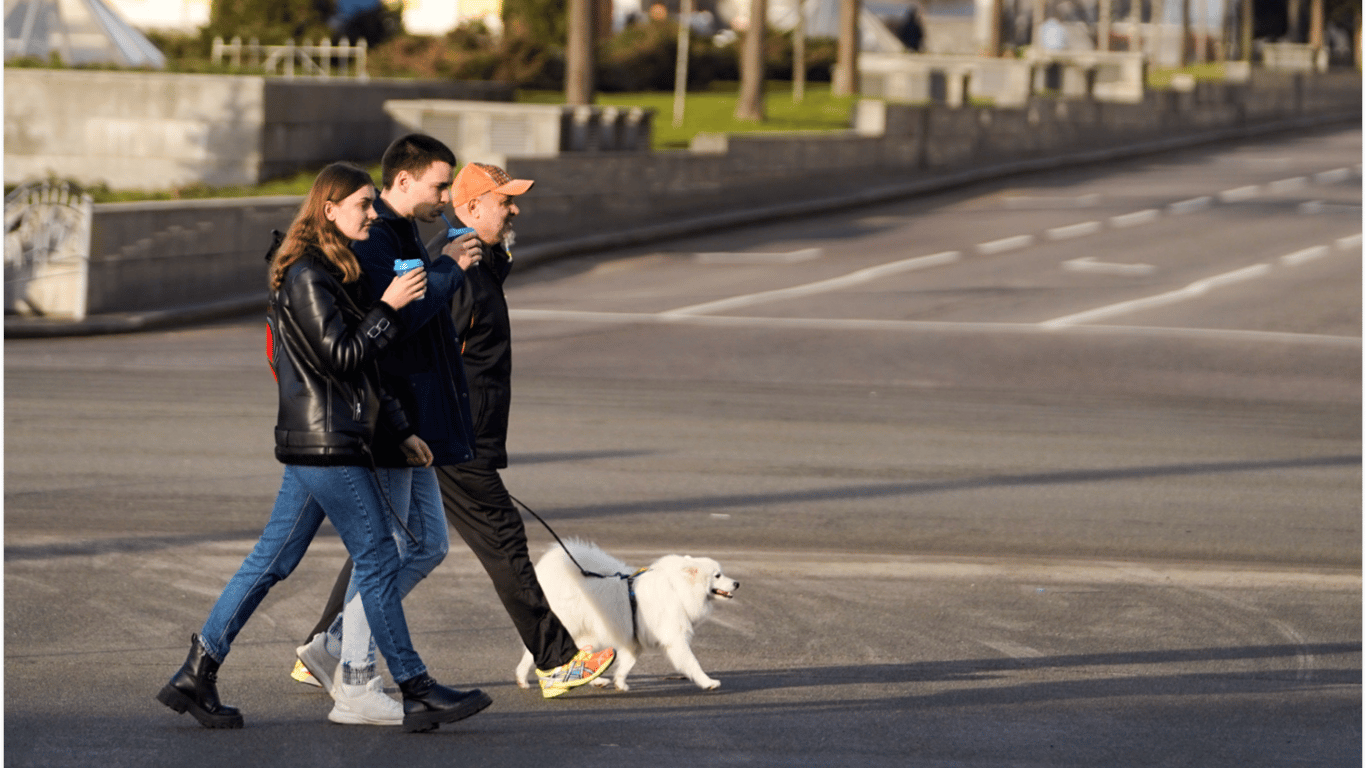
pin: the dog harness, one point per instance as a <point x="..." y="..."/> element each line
<point x="631" y="595"/>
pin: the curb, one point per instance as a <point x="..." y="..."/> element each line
<point x="131" y="322"/>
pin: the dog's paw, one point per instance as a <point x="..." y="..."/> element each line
<point x="621" y="685"/>
<point x="522" y="683"/>
<point x="600" y="682"/>
<point x="709" y="684"/>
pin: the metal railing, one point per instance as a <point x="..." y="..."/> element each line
<point x="308" y="59"/>
<point x="47" y="249"/>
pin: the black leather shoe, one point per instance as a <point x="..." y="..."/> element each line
<point x="195" y="688"/>
<point x="427" y="704"/>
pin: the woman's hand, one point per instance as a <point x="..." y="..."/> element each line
<point x="405" y="289"/>
<point x="466" y="250"/>
<point x="417" y="452"/>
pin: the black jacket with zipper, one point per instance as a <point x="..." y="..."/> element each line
<point x="480" y="311"/>
<point x="331" y="400"/>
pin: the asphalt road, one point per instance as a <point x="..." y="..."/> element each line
<point x="1061" y="470"/>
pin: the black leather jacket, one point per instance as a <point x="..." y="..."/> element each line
<point x="330" y="396"/>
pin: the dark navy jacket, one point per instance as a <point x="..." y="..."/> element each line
<point x="423" y="367"/>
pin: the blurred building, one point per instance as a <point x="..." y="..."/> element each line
<point x="76" y="31"/>
<point x="172" y="15"/>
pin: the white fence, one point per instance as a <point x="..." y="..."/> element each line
<point x="311" y="60"/>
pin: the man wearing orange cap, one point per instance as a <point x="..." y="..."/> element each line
<point x="477" y="504"/>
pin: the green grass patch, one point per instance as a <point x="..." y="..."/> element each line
<point x="296" y="184"/>
<point x="1162" y="78"/>
<point x="713" y="110"/>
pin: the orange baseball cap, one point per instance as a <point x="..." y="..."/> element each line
<point x="477" y="179"/>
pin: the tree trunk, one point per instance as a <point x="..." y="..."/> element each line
<point x="799" y="55"/>
<point x="1103" y="14"/>
<point x="751" y="104"/>
<point x="1245" y="38"/>
<point x="578" y="54"/>
<point x="1316" y="25"/>
<point x="994" y="40"/>
<point x="846" y="57"/>
<point x="681" y="63"/>
<point x="1185" y="57"/>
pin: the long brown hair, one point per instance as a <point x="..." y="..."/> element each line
<point x="311" y="228"/>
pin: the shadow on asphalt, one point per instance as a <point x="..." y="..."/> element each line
<point x="839" y="493"/>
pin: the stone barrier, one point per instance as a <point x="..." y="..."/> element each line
<point x="152" y="130"/>
<point x="490" y="132"/>
<point x="161" y="255"/>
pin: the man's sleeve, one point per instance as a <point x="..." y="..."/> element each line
<point x="462" y="302"/>
<point x="376" y="255"/>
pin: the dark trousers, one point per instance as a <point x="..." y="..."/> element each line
<point x="481" y="511"/>
<point x="479" y="508"/>
<point x="335" y="601"/>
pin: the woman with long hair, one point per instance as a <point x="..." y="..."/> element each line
<point x="329" y="334"/>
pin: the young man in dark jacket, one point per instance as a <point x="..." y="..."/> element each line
<point x="426" y="377"/>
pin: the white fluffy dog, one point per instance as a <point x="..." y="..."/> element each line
<point x="672" y="597"/>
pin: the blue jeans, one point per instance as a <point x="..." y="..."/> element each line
<point x="417" y="501"/>
<point x="350" y="499"/>
<point x="422" y="542"/>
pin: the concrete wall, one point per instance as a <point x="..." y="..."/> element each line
<point x="168" y="254"/>
<point x="139" y="130"/>
<point x="153" y="255"/>
<point x="584" y="196"/>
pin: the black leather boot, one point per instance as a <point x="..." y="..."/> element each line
<point x="427" y="704"/>
<point x="195" y="688"/>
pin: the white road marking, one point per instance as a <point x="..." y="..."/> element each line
<point x="1134" y="219"/>
<point x="1285" y="185"/>
<point x="1332" y="177"/>
<point x="792" y="257"/>
<point x="1074" y="230"/>
<point x="820" y="286"/>
<point x="1311" y="207"/>
<point x="1029" y="202"/>
<point x="1005" y="244"/>
<point x="1240" y="193"/>
<point x="1349" y="242"/>
<point x="1191" y="206"/>
<point x="1013" y="650"/>
<point x="921" y="326"/>
<point x="1089" y="264"/>
<point x="1308" y="254"/>
<point x="1195" y="289"/>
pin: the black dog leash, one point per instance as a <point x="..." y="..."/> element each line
<point x="629" y="578"/>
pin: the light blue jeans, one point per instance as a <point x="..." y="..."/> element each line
<point x="349" y="497"/>
<point x="416" y="500"/>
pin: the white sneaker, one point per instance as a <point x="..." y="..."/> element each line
<point x="321" y="664"/>
<point x="364" y="705"/>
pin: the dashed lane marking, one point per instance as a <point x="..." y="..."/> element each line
<point x="820" y="286"/>
<point x="1240" y="193"/>
<point x="1134" y="219"/>
<point x="1191" y="206"/>
<point x="1195" y="289"/>
<point x="1005" y="244"/>
<point x="1074" y="230"/>
<point x="792" y="257"/>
